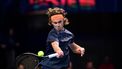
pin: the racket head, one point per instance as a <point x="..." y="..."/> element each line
<point x="27" y="61"/>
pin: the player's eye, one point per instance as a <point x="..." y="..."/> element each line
<point x="55" y="22"/>
<point x="59" y="21"/>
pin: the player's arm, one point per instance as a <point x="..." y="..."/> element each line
<point x="57" y="49"/>
<point x="77" y="49"/>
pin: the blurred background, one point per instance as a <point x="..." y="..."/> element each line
<point x="24" y="28"/>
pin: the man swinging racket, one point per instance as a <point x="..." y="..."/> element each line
<point x="59" y="41"/>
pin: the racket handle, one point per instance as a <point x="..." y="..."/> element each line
<point x="52" y="55"/>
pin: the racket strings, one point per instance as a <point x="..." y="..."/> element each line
<point x="28" y="61"/>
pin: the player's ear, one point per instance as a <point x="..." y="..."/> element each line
<point x="66" y="22"/>
<point x="49" y="24"/>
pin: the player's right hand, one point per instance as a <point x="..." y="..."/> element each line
<point x="60" y="54"/>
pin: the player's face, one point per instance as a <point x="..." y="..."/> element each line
<point x="57" y="21"/>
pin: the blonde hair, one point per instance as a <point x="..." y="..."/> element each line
<point x="54" y="11"/>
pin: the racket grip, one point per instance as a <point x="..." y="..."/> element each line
<point x="52" y="55"/>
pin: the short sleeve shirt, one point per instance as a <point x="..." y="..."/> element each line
<point x="65" y="38"/>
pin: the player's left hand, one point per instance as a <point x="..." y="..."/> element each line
<point x="80" y="50"/>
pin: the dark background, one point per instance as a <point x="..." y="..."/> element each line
<point x="97" y="30"/>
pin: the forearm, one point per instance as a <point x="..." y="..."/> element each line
<point x="57" y="49"/>
<point x="55" y="46"/>
<point x="75" y="47"/>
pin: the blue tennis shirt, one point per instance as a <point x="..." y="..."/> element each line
<point x="65" y="38"/>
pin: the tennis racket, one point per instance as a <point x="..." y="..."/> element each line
<point x="30" y="60"/>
